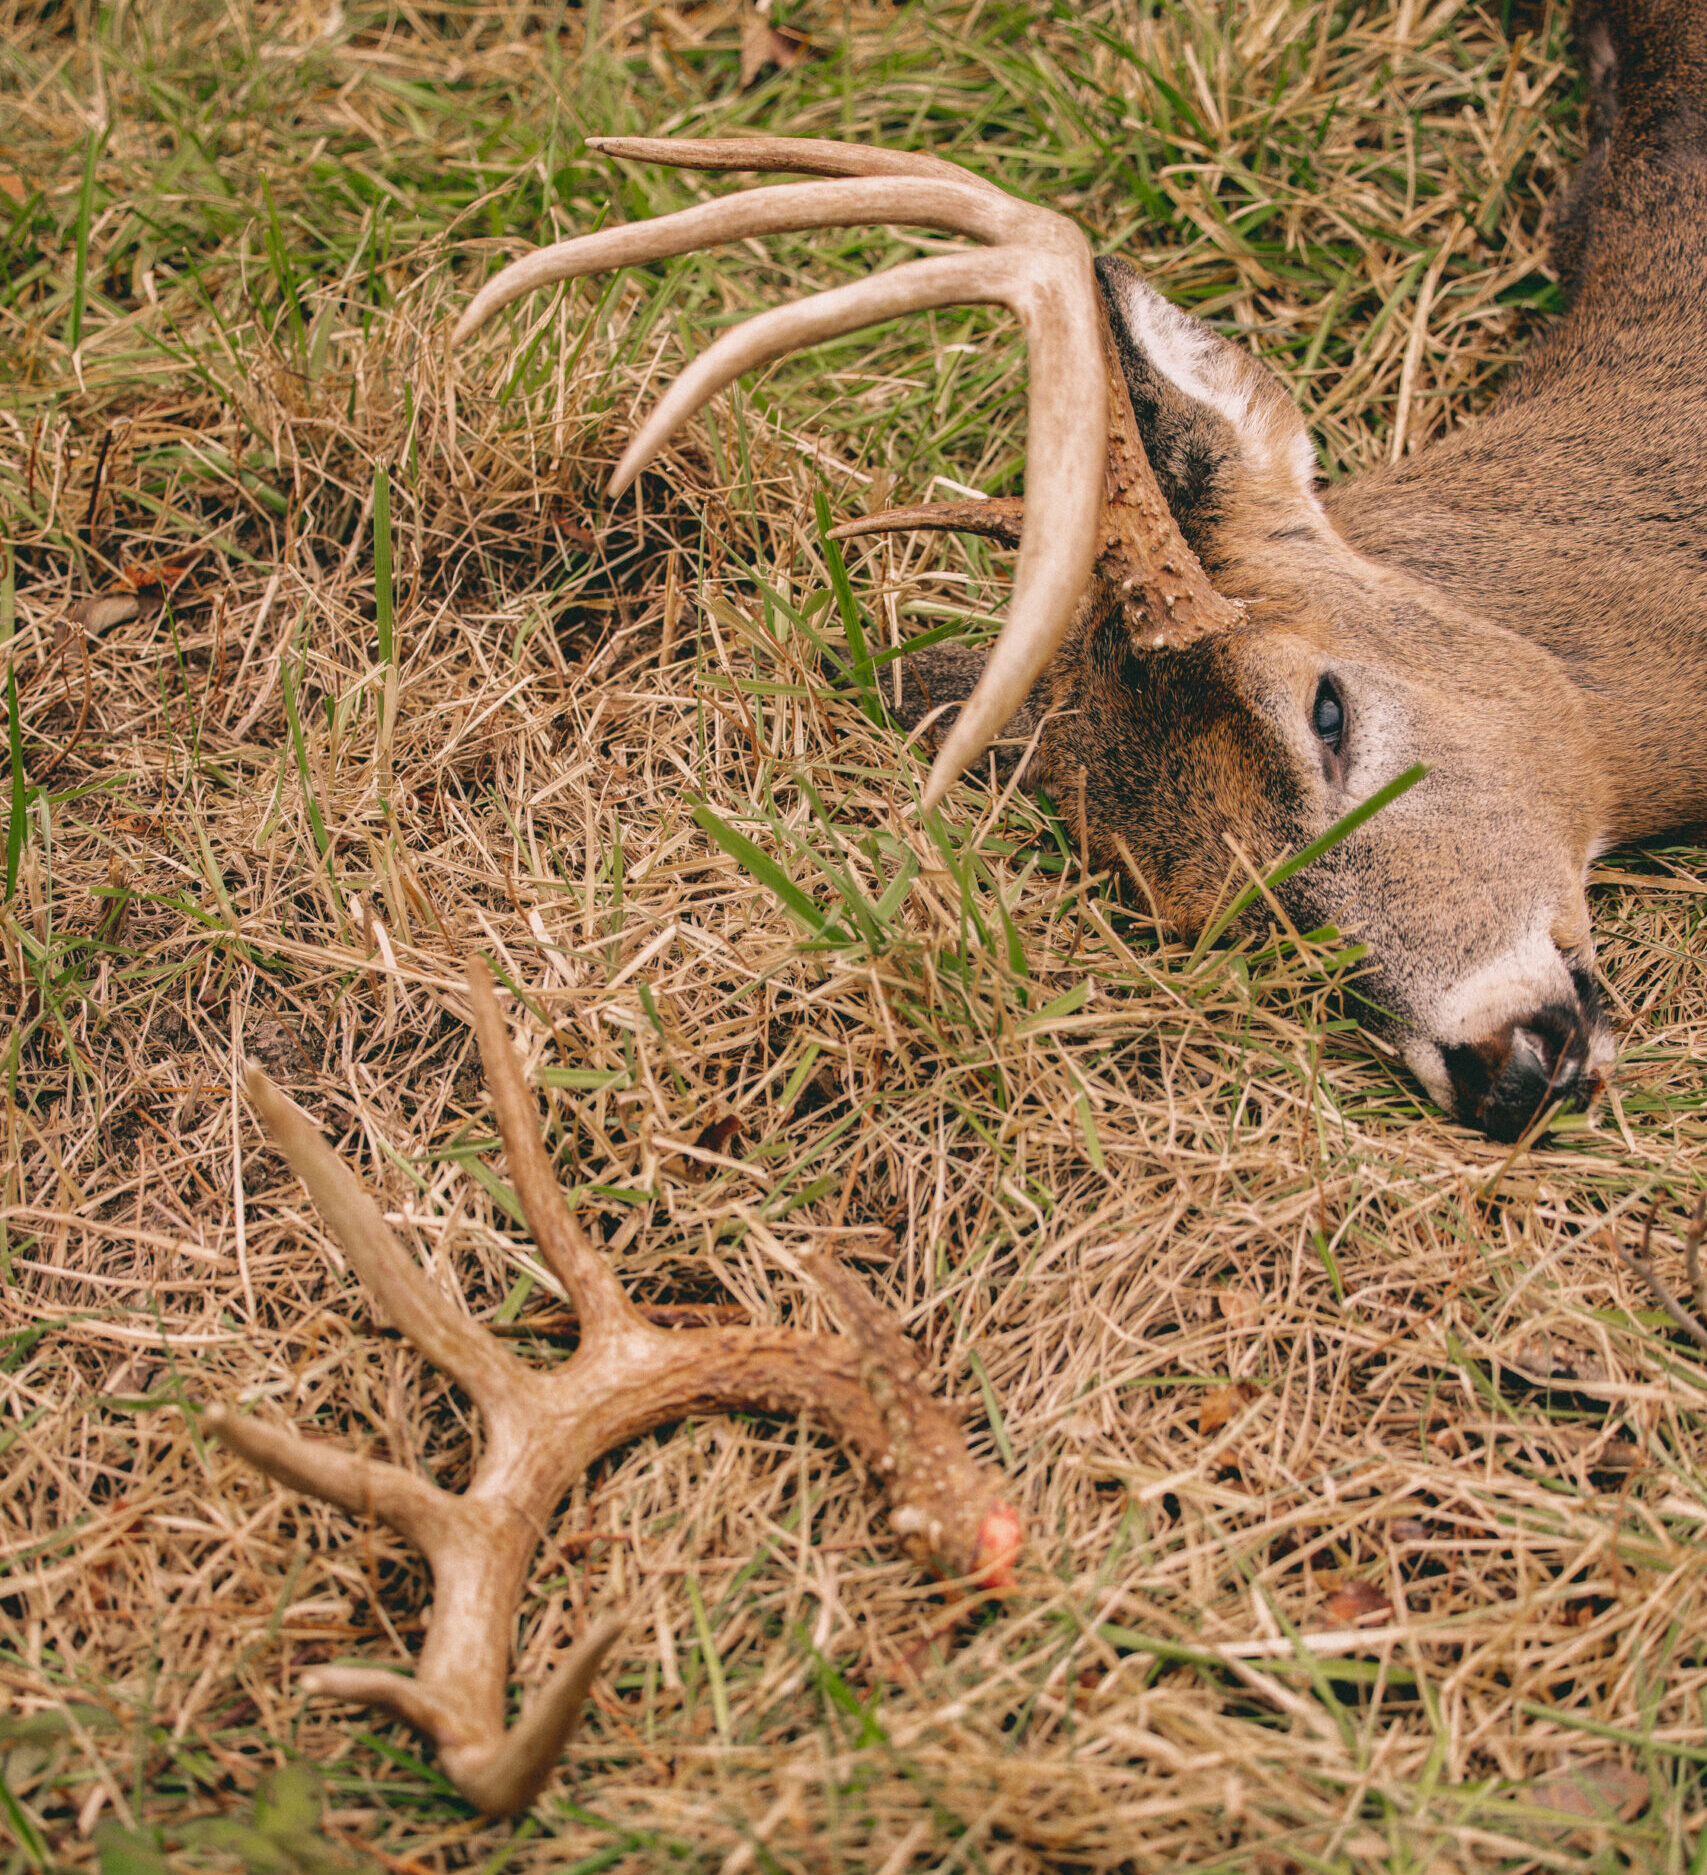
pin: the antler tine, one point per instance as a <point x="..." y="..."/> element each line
<point x="996" y="519"/>
<point x="1065" y="450"/>
<point x="804" y="156"/>
<point x="496" y="1783"/>
<point x="1003" y="276"/>
<point x="955" y="204"/>
<point x="491" y="1375"/>
<point x="599" y="1298"/>
<point x="414" y="1508"/>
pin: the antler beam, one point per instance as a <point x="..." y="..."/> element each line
<point x="543" y="1430"/>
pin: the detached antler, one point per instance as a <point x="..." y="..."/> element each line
<point x="544" y="1430"/>
<point x="1086" y="505"/>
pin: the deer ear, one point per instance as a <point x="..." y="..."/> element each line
<point x="1223" y="435"/>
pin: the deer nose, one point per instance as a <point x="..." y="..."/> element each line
<point x="1506" y="1081"/>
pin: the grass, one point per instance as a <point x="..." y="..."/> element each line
<point x="1270" y="1351"/>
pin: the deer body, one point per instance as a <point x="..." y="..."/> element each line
<point x="1213" y="662"/>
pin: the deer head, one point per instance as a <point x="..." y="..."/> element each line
<point x="1214" y="675"/>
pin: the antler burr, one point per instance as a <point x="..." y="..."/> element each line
<point x="542" y="1430"/>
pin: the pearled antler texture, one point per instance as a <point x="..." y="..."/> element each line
<point x="543" y="1430"/>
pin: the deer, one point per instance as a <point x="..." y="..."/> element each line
<point x="1206" y="655"/>
<point x="1203" y="652"/>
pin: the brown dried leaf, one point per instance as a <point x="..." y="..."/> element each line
<point x="1222" y="1404"/>
<point x="147" y="575"/>
<point x="716" y="1136"/>
<point x="1545" y="1357"/>
<point x="764" y="45"/>
<point x="12" y="185"/>
<point x="1600" y="1791"/>
<point x="1241" y="1308"/>
<point x="1357" y="1601"/>
<point x="100" y="615"/>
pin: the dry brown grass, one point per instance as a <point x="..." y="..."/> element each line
<point x="1365" y="1487"/>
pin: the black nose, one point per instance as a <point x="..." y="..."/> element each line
<point x="1506" y="1081"/>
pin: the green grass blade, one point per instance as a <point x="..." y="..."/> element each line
<point x="1342" y="829"/>
<point x="17" y="814"/>
<point x="93" y="144"/>
<point x="864" y="677"/>
<point x="803" y="909"/>
<point x="382" y="562"/>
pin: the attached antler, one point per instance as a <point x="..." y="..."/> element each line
<point x="1037" y="264"/>
<point x="544" y="1430"/>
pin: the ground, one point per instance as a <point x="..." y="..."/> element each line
<point x="1364" y="1483"/>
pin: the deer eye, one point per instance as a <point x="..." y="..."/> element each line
<point x="1327" y="716"/>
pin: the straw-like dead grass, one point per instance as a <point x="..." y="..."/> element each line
<point x="1365" y="1486"/>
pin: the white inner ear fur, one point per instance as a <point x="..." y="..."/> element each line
<point x="1202" y="365"/>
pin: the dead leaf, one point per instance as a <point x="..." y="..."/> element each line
<point x="13" y="186"/>
<point x="1602" y="1792"/>
<point x="1241" y="1308"/>
<point x="151" y="575"/>
<point x="1222" y="1404"/>
<point x="764" y="45"/>
<point x="1545" y="1357"/>
<point x="130" y="1375"/>
<point x="716" y="1137"/>
<point x="101" y="615"/>
<point x="1356" y="1602"/>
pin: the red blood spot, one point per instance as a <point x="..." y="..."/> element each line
<point x="999" y="1538"/>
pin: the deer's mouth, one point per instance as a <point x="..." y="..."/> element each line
<point x="1507" y="1081"/>
<point x="1505" y="1076"/>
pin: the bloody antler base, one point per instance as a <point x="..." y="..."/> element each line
<point x="544" y="1430"/>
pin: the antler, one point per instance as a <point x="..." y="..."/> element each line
<point x="544" y="1430"/>
<point x="1037" y="264"/>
